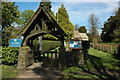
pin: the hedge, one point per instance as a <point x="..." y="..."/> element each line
<point x="46" y="45"/>
<point x="9" y="55"/>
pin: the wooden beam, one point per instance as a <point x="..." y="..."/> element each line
<point x="32" y="19"/>
<point x="54" y="22"/>
<point x="56" y="34"/>
<point x="37" y="26"/>
<point x="37" y="32"/>
<point x="40" y="24"/>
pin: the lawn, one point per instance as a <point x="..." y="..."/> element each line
<point x="109" y="43"/>
<point x="100" y="65"/>
<point x="9" y="71"/>
<point x="108" y="60"/>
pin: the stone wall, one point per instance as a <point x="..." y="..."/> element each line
<point x="25" y="57"/>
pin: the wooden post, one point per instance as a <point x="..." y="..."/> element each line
<point x="47" y="55"/>
<point x="51" y="55"/>
<point x="118" y="52"/>
<point x="31" y="43"/>
<point x="62" y="58"/>
<point x="24" y="42"/>
<point x="55" y="55"/>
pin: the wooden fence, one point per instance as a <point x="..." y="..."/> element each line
<point x="113" y="49"/>
<point x="50" y="59"/>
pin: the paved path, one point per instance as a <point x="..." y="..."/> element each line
<point x="37" y="71"/>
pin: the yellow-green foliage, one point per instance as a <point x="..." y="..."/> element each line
<point x="9" y="55"/>
<point x="48" y="36"/>
<point x="46" y="45"/>
<point x="64" y="22"/>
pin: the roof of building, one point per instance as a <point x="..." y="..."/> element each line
<point x="82" y="36"/>
<point x="41" y="13"/>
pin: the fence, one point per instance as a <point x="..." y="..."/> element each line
<point x="50" y="59"/>
<point x="113" y="49"/>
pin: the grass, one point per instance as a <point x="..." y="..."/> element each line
<point x="77" y="72"/>
<point x="9" y="71"/>
<point x="100" y="66"/>
<point x="108" y="60"/>
<point x="109" y="43"/>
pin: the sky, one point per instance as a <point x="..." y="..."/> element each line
<point x="78" y="11"/>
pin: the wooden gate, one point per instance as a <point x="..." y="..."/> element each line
<point x="50" y="59"/>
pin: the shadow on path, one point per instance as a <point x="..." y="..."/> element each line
<point x="46" y="73"/>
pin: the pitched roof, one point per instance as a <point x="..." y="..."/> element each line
<point x="42" y="9"/>
<point x="82" y="36"/>
<point x="76" y="34"/>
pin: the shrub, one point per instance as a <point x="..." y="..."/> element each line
<point x="9" y="55"/>
<point x="49" y="37"/>
<point x="49" y="45"/>
<point x="46" y="45"/>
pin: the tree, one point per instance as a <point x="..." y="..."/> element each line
<point x="10" y="15"/>
<point x="111" y="30"/>
<point x="64" y="22"/>
<point x="94" y="24"/>
<point x="47" y="4"/>
<point x="25" y="16"/>
<point x="115" y="11"/>
<point x="76" y="26"/>
<point x="82" y="29"/>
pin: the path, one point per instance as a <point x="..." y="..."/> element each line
<point x="37" y="71"/>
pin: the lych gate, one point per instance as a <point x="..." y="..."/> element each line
<point x="39" y="24"/>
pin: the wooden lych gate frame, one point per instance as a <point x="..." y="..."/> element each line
<point x="35" y="28"/>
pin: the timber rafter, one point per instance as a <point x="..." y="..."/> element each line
<point x="41" y="15"/>
<point x="39" y="24"/>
